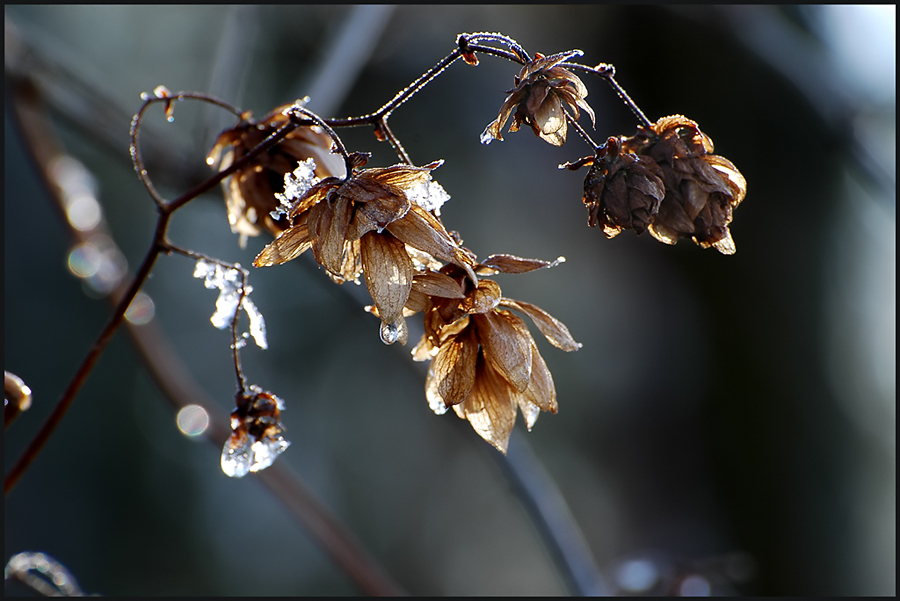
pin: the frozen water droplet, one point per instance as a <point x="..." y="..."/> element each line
<point x="530" y="412"/>
<point x="437" y="404"/>
<point x="265" y="451"/>
<point x="237" y="455"/>
<point x="390" y="332"/>
<point x="146" y="96"/>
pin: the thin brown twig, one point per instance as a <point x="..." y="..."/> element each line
<point x="159" y="245"/>
<point x="180" y="389"/>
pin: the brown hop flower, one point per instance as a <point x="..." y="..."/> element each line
<point x="485" y="364"/>
<point x="622" y="190"/>
<point x="363" y="224"/>
<point x="542" y="89"/>
<point x="702" y="189"/>
<point x="249" y="193"/>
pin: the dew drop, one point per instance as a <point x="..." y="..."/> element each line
<point x="390" y="332"/>
<point x="530" y="412"/>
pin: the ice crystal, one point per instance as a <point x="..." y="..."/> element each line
<point x="296" y="184"/>
<point x="429" y="195"/>
<point x="228" y="280"/>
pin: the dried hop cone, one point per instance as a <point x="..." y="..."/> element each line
<point x="249" y="193"/>
<point x="702" y="189"/>
<point x="362" y="225"/>
<point x="622" y="190"/>
<point x="542" y="90"/>
<point x="484" y="362"/>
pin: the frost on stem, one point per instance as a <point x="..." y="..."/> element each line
<point x="229" y="283"/>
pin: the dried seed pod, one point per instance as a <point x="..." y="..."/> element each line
<point x="702" y="189"/>
<point x="257" y="436"/>
<point x="485" y="363"/>
<point x="622" y="190"/>
<point x="542" y="90"/>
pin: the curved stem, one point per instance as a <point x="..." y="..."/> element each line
<point x="495" y="37"/>
<point x="608" y="72"/>
<point x="395" y="142"/>
<point x="135" y="148"/>
<point x="297" y="109"/>
<point x="581" y="132"/>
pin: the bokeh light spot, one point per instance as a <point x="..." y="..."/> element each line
<point x="192" y="420"/>
<point x="141" y="310"/>
<point x="694" y="586"/>
<point x="83" y="212"/>
<point x="85" y="260"/>
<point x="637" y="575"/>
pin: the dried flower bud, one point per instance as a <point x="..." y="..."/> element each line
<point x="376" y="222"/>
<point x="622" y="190"/>
<point x="257" y="436"/>
<point x="485" y="364"/>
<point x="542" y="89"/>
<point x="249" y="193"/>
<point x="702" y="189"/>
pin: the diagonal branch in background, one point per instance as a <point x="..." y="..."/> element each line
<point x="180" y="389"/>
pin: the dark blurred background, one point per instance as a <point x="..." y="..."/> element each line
<point x="730" y="418"/>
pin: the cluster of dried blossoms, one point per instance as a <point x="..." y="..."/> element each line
<point x="384" y="224"/>
<point x="664" y="179"/>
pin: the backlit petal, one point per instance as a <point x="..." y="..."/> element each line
<point x="389" y="273"/>
<point x="290" y="244"/>
<point x="489" y="408"/>
<point x="554" y="330"/>
<point x="507" y="345"/>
